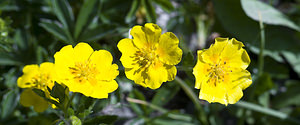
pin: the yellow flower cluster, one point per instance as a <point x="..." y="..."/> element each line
<point x="35" y="77"/>
<point x="80" y="68"/>
<point x="149" y="60"/>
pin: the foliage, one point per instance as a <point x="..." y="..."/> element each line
<point x="32" y="31"/>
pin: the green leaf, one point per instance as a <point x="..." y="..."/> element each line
<point x="8" y="103"/>
<point x="86" y="15"/>
<point x="98" y="32"/>
<point x="170" y="122"/>
<point x="6" y="59"/>
<point x="165" y="94"/>
<point x="75" y="120"/>
<point x="290" y="97"/>
<point x="39" y="92"/>
<point x="245" y="29"/>
<point x="269" y="15"/>
<point x="105" y="119"/>
<point x="294" y="60"/>
<point x="55" y="29"/>
<point x="265" y="83"/>
<point x="266" y="111"/>
<point x="135" y="107"/>
<point x="134" y="7"/>
<point x="165" y="4"/>
<point x="64" y="13"/>
<point x="58" y="91"/>
<point x="150" y="11"/>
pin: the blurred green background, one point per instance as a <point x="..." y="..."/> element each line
<point x="31" y="31"/>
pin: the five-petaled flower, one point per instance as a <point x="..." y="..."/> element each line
<point x="150" y="57"/>
<point x="86" y="71"/>
<point x="221" y="73"/>
<point x="35" y="77"/>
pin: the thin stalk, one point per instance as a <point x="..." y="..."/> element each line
<point x="267" y="111"/>
<point x="260" y="65"/>
<point x="262" y="46"/>
<point x="194" y="98"/>
<point x="157" y="108"/>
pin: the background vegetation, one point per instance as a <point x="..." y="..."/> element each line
<point x="31" y="31"/>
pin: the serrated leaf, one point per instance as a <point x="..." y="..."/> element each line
<point x="165" y="4"/>
<point x="258" y="10"/>
<point x="86" y="15"/>
<point x="64" y="13"/>
<point x="6" y="59"/>
<point x="150" y="11"/>
<point x="134" y="7"/>
<point x="8" y="103"/>
<point x="97" y="32"/>
<point x="55" y="29"/>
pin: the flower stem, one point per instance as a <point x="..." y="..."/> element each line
<point x="266" y="111"/>
<point x="193" y="97"/>
<point x="262" y="46"/>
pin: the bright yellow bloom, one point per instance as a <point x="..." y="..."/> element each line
<point x="38" y="78"/>
<point x="149" y="57"/>
<point x="86" y="71"/>
<point x="221" y="73"/>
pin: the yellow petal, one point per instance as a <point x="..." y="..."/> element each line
<point x="239" y="77"/>
<point x="168" y="49"/>
<point x="47" y="68"/>
<point x="128" y="50"/>
<point x="29" y="98"/>
<point x="200" y="70"/>
<point x="213" y="92"/>
<point x="137" y="74"/>
<point x="82" y="52"/>
<point x="29" y="71"/>
<point x="102" y="59"/>
<point x="105" y="87"/>
<point x="145" y="37"/>
<point x="153" y="32"/>
<point x="234" y="95"/>
<point x="63" y="60"/>
<point x="212" y="55"/>
<point x="159" y="73"/>
<point x="235" y="55"/>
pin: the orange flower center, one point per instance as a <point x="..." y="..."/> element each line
<point x="83" y="72"/>
<point x="144" y="58"/>
<point x="217" y="73"/>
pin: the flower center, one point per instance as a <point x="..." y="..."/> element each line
<point x="144" y="58"/>
<point x="83" y="71"/>
<point x="41" y="81"/>
<point x="217" y="73"/>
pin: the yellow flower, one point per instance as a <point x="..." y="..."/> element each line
<point x="86" y="71"/>
<point x="221" y="73"/>
<point x="38" y="78"/>
<point x="149" y="57"/>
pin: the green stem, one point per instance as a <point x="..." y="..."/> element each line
<point x="194" y="98"/>
<point x="266" y="111"/>
<point x="71" y="99"/>
<point x="260" y="65"/>
<point x="157" y="108"/>
<point x="262" y="46"/>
